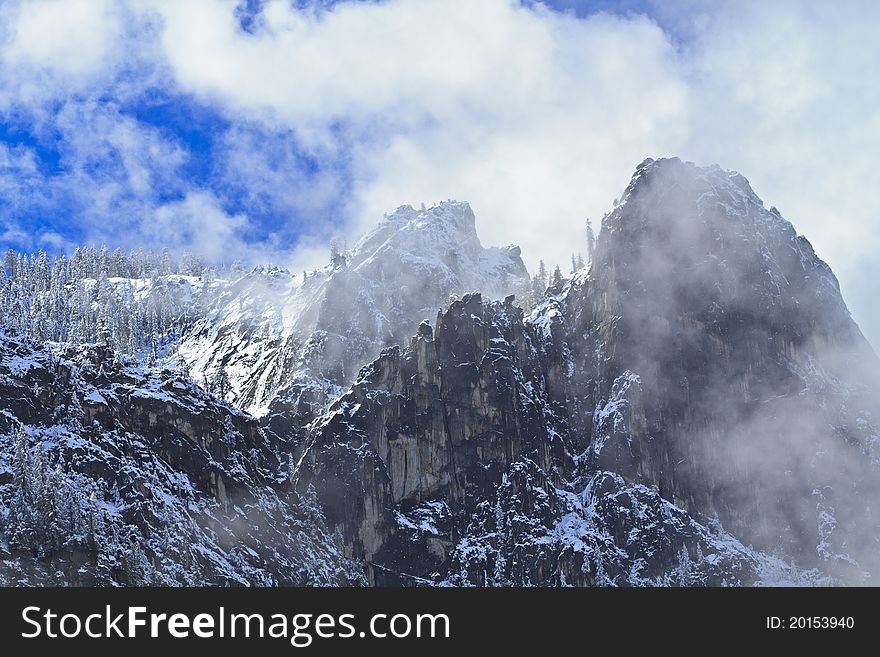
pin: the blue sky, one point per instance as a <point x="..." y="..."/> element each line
<point x="45" y="207"/>
<point x="259" y="130"/>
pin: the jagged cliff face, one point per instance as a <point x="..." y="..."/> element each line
<point x="754" y="402"/>
<point x="375" y="294"/>
<point x="278" y="335"/>
<point x="429" y="433"/>
<point x="695" y="407"/>
<point x="112" y="475"/>
<point x="700" y="388"/>
<point x="450" y="463"/>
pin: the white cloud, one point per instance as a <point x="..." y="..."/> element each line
<point x="71" y="36"/>
<point x="786" y="93"/>
<point x="530" y="115"/>
<point x="267" y="170"/>
<point x="59" y="41"/>
<point x="95" y="132"/>
<point x="198" y="220"/>
<point x="12" y="234"/>
<point x="536" y="117"/>
<point x="310" y="67"/>
<point x="114" y="180"/>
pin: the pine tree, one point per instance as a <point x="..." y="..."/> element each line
<point x="537" y="287"/>
<point x="309" y="506"/>
<point x="43" y="273"/>
<point x="38" y="479"/>
<point x="76" y="265"/>
<point x="542" y="274"/>
<point x="153" y="337"/>
<point x="96" y="533"/>
<point x="9" y="263"/>
<point x="117" y="265"/>
<point x="167" y="266"/>
<point x="591" y="240"/>
<point x="21" y="266"/>
<point x="20" y="524"/>
<point x="40" y="319"/>
<point x="134" y="565"/>
<point x="183" y="369"/>
<point x="683" y="568"/>
<point x="602" y="578"/>
<point x="337" y="259"/>
<point x="557" y="278"/>
<point x="57" y="519"/>
<point x="104" y="264"/>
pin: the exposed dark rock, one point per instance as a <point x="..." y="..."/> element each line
<point x="701" y="388"/>
<point x="696" y="407"/>
<point x="147" y="467"/>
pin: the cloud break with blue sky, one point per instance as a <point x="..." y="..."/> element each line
<point x="257" y="130"/>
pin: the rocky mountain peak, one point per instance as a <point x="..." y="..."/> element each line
<point x="449" y="225"/>
<point x="271" y="329"/>
<point x="672" y="173"/>
<point x="693" y="408"/>
<point x="698" y="241"/>
<point x="441" y="240"/>
<point x="684" y="397"/>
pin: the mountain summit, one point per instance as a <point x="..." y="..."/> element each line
<point x="700" y="388"/>
<point x="695" y="406"/>
<point x="304" y="336"/>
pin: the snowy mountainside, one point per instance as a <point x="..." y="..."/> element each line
<point x="113" y="474"/>
<point x="244" y="335"/>
<point x="247" y="335"/>
<point x="695" y="407"/>
<point x="448" y="463"/>
<point x="271" y="329"/>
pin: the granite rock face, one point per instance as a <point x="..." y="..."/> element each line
<point x="694" y="408"/>
<point x="758" y="394"/>
<point x="112" y="475"/>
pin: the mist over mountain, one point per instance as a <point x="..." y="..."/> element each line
<point x="693" y="406"/>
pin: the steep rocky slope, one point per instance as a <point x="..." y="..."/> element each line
<point x="275" y="332"/>
<point x="758" y="394"/>
<point x="695" y="407"/>
<point x="111" y="475"/>
<point x="701" y="388"/>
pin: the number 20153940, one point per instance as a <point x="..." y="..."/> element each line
<point x="810" y="623"/>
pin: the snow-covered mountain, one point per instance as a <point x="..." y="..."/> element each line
<point x="696" y="406"/>
<point x="247" y="335"/>
<point x="271" y="329"/>
<point x="110" y="473"/>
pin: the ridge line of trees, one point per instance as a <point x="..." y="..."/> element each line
<point x="79" y="301"/>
